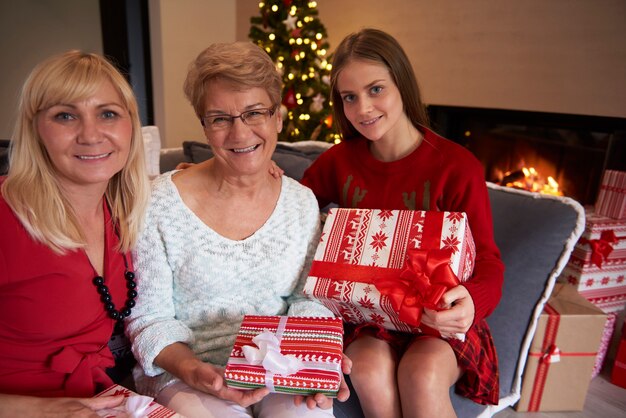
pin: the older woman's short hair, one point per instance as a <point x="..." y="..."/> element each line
<point x="242" y="63"/>
<point x="31" y="188"/>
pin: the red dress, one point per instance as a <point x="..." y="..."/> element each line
<point x="439" y="175"/>
<point x="53" y="327"/>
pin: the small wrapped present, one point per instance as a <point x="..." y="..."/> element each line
<point x="611" y="200"/>
<point x="134" y="405"/>
<point x="385" y="266"/>
<point x="562" y="354"/>
<point x="293" y="355"/>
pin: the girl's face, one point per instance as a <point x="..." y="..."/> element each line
<point x="88" y="141"/>
<point x="371" y="100"/>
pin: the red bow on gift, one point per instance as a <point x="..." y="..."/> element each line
<point x="601" y="248"/>
<point x="426" y="277"/>
<point x="552" y="355"/>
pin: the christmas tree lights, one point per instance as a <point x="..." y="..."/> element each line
<point x="292" y="34"/>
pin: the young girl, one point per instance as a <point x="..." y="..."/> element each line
<point x="389" y="159"/>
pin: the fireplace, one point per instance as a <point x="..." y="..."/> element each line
<point x="569" y="150"/>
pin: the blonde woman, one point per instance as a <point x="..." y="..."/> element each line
<point x="71" y="208"/>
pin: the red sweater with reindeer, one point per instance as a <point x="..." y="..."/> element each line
<point x="439" y="175"/>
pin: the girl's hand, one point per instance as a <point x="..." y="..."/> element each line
<point x="457" y="314"/>
<point x="324" y="402"/>
<point x="183" y="165"/>
<point x="275" y="170"/>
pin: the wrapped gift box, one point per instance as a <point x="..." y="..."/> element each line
<point x="611" y="200"/>
<point x="140" y="406"/>
<point x="606" y="285"/>
<point x="368" y="261"/>
<point x="597" y="266"/>
<point x="316" y="343"/>
<point x="618" y="374"/>
<point x="562" y="354"/>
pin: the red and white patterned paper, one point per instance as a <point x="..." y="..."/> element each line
<point x="316" y="341"/>
<point x="154" y="410"/>
<point x="600" y="277"/>
<point x="604" y="287"/>
<point x="596" y="223"/>
<point x="611" y="200"/>
<point x="607" y="335"/>
<point x="379" y="240"/>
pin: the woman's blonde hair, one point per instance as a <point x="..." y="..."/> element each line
<point x="377" y="46"/>
<point x="242" y="63"/>
<point x="31" y="188"/>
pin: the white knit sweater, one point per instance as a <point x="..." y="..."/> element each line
<point x="195" y="285"/>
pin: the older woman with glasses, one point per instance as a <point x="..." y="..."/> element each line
<point x="223" y="238"/>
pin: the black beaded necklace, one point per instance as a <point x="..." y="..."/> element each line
<point x="106" y="299"/>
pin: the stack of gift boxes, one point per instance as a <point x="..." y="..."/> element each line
<point x="597" y="271"/>
<point x="597" y="266"/>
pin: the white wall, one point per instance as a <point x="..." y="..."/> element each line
<point x="563" y="56"/>
<point x="179" y="30"/>
<point x="31" y="30"/>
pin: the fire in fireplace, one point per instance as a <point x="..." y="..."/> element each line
<point x="542" y="152"/>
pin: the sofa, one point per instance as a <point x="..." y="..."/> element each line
<point x="535" y="233"/>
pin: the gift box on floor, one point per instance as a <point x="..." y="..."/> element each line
<point x="134" y="405"/>
<point x="611" y="200"/>
<point x="618" y="374"/>
<point x="383" y="266"/>
<point x="293" y="355"/>
<point x="562" y="354"/>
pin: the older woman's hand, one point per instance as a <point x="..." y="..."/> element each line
<point x="324" y="402"/>
<point x="457" y="314"/>
<point x="208" y="378"/>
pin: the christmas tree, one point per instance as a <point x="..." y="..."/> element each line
<point x="292" y="34"/>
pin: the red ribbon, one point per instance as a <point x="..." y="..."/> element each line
<point x="601" y="248"/>
<point x="426" y="277"/>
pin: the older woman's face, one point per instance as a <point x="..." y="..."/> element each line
<point x="88" y="141"/>
<point x="243" y="148"/>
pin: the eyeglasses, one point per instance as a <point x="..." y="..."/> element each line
<point x="254" y="117"/>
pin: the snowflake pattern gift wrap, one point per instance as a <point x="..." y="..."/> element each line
<point x="384" y="266"/>
<point x="294" y="355"/>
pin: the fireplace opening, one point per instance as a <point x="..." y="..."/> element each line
<point x="542" y="152"/>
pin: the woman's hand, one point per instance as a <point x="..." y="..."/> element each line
<point x="324" y="402"/>
<point x="179" y="360"/>
<point x="457" y="314"/>
<point x="208" y="378"/>
<point x="30" y="406"/>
